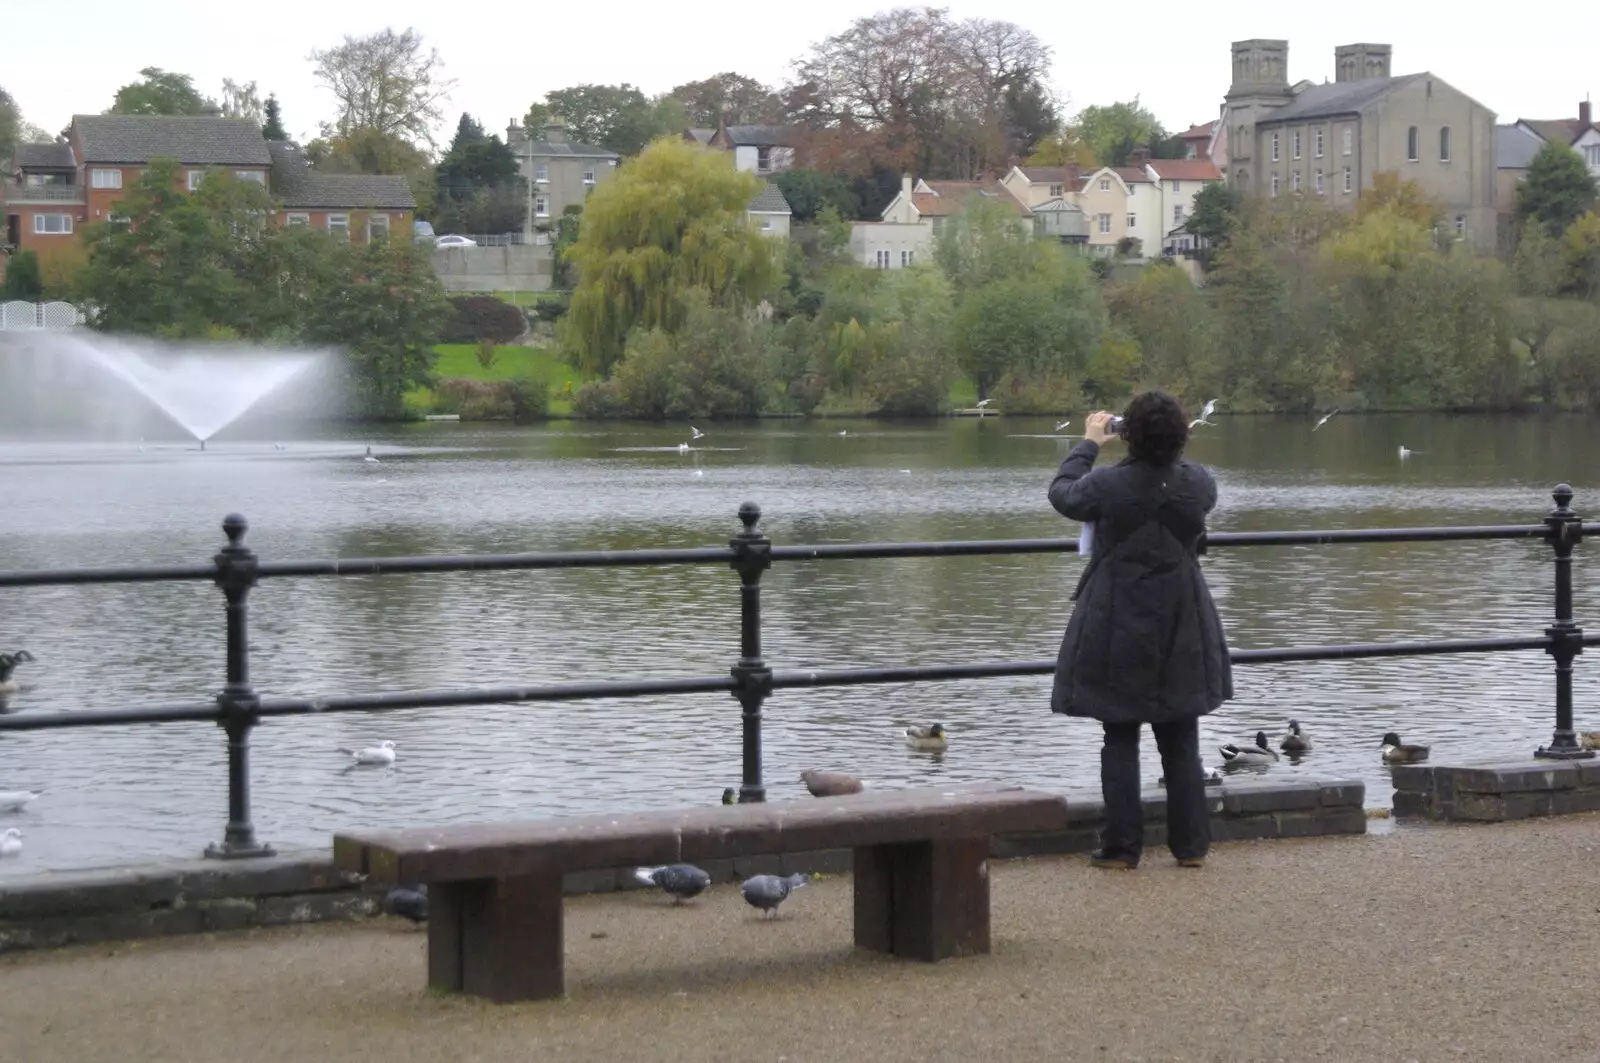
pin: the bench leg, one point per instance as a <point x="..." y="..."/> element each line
<point x="497" y="938"/>
<point x="923" y="900"/>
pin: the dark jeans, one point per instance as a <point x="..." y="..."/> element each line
<point x="1188" y="823"/>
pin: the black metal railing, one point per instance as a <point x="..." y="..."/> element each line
<point x="238" y="708"/>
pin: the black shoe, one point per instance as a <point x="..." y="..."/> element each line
<point x="1112" y="862"/>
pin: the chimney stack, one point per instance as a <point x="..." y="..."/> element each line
<point x="555" y="131"/>
<point x="1584" y="117"/>
<point x="905" y="185"/>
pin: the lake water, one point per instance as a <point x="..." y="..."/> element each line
<point x="122" y="794"/>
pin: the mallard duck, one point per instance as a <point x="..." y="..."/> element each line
<point x="730" y="796"/>
<point x="1394" y="752"/>
<point x="1260" y="753"/>
<point x="1296" y="741"/>
<point x="928" y="739"/>
<point x="8" y="664"/>
<point x="830" y="783"/>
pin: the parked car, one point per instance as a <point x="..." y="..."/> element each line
<point x="455" y="241"/>
<point x="422" y="232"/>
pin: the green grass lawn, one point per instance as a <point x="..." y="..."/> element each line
<point x="459" y="361"/>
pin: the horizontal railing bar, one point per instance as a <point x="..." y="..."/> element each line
<point x="121" y="574"/>
<point x="714" y="684"/>
<point x="381" y="566"/>
<point x="1378" y="535"/>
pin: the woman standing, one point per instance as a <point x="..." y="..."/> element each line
<point x="1145" y="644"/>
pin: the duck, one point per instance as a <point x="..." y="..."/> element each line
<point x="11" y="842"/>
<point x="1260" y="753"/>
<point x="8" y="664"/>
<point x="1296" y="741"/>
<point x="369" y="457"/>
<point x="730" y="796"/>
<point x="1395" y="752"/>
<point x="18" y="800"/>
<point x="927" y="739"/>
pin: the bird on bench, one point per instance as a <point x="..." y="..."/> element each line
<point x="680" y="881"/>
<point x="830" y="783"/>
<point x="766" y="892"/>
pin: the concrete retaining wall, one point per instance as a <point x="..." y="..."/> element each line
<point x="1495" y="791"/>
<point x="518" y="268"/>
<point x="195" y="896"/>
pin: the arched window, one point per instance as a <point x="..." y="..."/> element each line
<point x="1411" y="144"/>
<point x="1444" y="144"/>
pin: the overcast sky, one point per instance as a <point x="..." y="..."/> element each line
<point x="1174" y="56"/>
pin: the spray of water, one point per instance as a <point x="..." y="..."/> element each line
<point x="204" y="387"/>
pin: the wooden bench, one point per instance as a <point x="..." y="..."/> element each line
<point x="495" y="890"/>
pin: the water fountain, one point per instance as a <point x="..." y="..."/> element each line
<point x="202" y="387"/>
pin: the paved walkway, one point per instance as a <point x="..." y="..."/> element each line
<point x="1463" y="943"/>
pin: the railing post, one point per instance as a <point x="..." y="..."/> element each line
<point x="1566" y="637"/>
<point x="751" y="677"/>
<point x="236" y="574"/>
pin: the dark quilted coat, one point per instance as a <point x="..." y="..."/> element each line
<point x="1145" y="644"/>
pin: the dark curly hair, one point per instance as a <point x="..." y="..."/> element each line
<point x="1155" y="428"/>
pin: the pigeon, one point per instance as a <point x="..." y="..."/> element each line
<point x="382" y="753"/>
<point x="17" y="800"/>
<point x="408" y="902"/>
<point x="768" y="891"/>
<point x="830" y="783"/>
<point x="11" y="845"/>
<point x="682" y="881"/>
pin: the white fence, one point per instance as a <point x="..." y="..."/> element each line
<point x="19" y="316"/>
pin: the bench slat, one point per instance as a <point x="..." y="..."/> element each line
<point x="576" y="843"/>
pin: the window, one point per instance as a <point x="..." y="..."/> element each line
<point x="1347" y="179"/>
<point x="1294" y="144"/>
<point x="1105" y="223"/>
<point x="1132" y="189"/>
<point x="763" y="159"/>
<point x="1055" y="191"/>
<point x="1444" y="144"/>
<point x="541" y="173"/>
<point x="1294" y="181"/>
<point x="1349" y="141"/>
<point x="883" y="260"/>
<point x="1320" y="187"/>
<point x="588" y="177"/>
<point x="1105" y="184"/>
<point x="194" y="179"/>
<point x="1177" y="214"/>
<point x="52" y="224"/>
<point x="1592" y="154"/>
<point x="105" y="178"/>
<point x="1318" y="136"/>
<point x="297" y="219"/>
<point x="1133" y="221"/>
<point x="118" y="219"/>
<point x="1177" y="186"/>
<point x="1274" y="186"/>
<point x="257" y="176"/>
<point x="1461" y="226"/>
<point x="377" y="227"/>
<point x="1274" y="147"/>
<point x="1411" y="144"/>
<point x="339" y="225"/>
<point x="906" y="258"/>
<point x="541" y="206"/>
<point x="766" y="225"/>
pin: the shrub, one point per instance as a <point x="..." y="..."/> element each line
<point x="552" y="307"/>
<point x="486" y="352"/>
<point x="530" y="398"/>
<point x="597" y="401"/>
<point x="475" y="400"/>
<point x="483" y="317"/>
<point x="22" y="277"/>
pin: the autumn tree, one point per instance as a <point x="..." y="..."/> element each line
<point x="671" y="221"/>
<point x="741" y="100"/>
<point x="387" y="83"/>
<point x="1114" y="130"/>
<point x="1402" y="198"/>
<point x="1557" y="190"/>
<point x="242" y="100"/>
<point x="159" y="92"/>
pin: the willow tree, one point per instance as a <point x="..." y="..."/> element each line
<point x="672" y="220"/>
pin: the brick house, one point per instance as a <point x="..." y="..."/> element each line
<point x="55" y="189"/>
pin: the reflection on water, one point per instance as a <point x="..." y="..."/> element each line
<point x="121" y="794"/>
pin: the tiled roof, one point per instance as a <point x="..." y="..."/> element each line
<point x="1558" y="130"/>
<point x="130" y="138"/>
<point x="54" y="156"/>
<point x="701" y="136"/>
<point x="297" y="186"/>
<point x="567" y="149"/>
<point x="1514" y="147"/>
<point x="950" y="197"/>
<point x="1199" y="132"/>
<point x="1133" y="175"/>
<point x="769" y="201"/>
<point x="758" y="135"/>
<point x="1186" y="169"/>
<point x="1341" y="97"/>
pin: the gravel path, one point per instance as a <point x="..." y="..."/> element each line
<point x="1462" y="943"/>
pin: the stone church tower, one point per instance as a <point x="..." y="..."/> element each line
<point x="1260" y="85"/>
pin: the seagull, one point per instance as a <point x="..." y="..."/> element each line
<point x="830" y="783"/>
<point x="906" y="471"/>
<point x="11" y="845"/>
<point x="768" y="891"/>
<point x="683" y="448"/>
<point x="1205" y="411"/>
<point x="1325" y="419"/>
<point x="1405" y="452"/>
<point x="842" y="431"/>
<point x="279" y="446"/>
<point x="697" y="434"/>
<point x="682" y="881"/>
<point x="982" y="404"/>
<point x="699" y="472"/>
<point x="17" y="800"/>
<point x="408" y="902"/>
<point x="1063" y="424"/>
<point x="369" y="457"/>
<point x="382" y="753"/>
